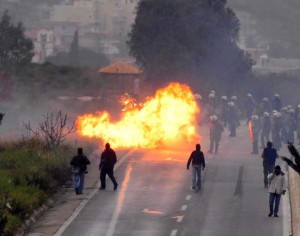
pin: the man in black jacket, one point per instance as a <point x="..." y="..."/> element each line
<point x="269" y="156"/>
<point x="107" y="163"/>
<point x="198" y="161"/>
<point x="79" y="164"/>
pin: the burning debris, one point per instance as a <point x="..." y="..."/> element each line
<point x="165" y="118"/>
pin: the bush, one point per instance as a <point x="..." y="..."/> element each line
<point x="12" y="225"/>
<point x="25" y="199"/>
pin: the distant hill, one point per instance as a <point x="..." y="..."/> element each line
<point x="278" y="21"/>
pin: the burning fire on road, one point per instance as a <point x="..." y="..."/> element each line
<point x="167" y="117"/>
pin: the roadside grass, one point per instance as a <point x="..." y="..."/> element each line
<point x="29" y="175"/>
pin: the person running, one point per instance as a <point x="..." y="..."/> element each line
<point x="269" y="156"/>
<point x="106" y="166"/>
<point x="198" y="161"/>
<point x="79" y="163"/>
<point x="277" y="188"/>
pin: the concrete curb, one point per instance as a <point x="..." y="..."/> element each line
<point x="91" y="183"/>
<point x="294" y="182"/>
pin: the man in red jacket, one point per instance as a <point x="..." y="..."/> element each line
<point x="198" y="161"/>
<point x="107" y="163"/>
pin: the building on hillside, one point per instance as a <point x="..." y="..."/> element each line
<point x="120" y="78"/>
<point x="44" y="44"/>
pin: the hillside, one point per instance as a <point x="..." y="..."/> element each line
<point x="277" y="21"/>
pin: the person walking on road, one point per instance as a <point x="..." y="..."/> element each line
<point x="198" y="161"/>
<point x="79" y="163"/>
<point x="277" y="188"/>
<point x="269" y="156"/>
<point x="216" y="130"/>
<point x="106" y="166"/>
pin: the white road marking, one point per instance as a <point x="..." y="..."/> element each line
<point x="179" y="218"/>
<point x="174" y="232"/>
<point x="184" y="207"/>
<point x="188" y="197"/>
<point x="117" y="211"/>
<point x="84" y="202"/>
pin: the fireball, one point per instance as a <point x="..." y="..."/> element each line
<point x="169" y="116"/>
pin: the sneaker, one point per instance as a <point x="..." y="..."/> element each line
<point x="193" y="187"/>
<point x="115" y="187"/>
<point x="270" y="214"/>
<point x="101" y="188"/>
<point x="275" y="215"/>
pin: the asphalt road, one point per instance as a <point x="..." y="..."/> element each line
<point x="155" y="198"/>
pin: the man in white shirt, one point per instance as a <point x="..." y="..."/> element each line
<point x="277" y="187"/>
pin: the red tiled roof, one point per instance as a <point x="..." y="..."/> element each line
<point x="120" y="68"/>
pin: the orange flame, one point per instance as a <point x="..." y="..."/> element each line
<point x="167" y="117"/>
<point x="250" y="130"/>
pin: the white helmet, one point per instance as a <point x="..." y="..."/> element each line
<point x="234" y="98"/>
<point x="266" y="114"/>
<point x="231" y="104"/>
<point x="213" y="92"/>
<point x="213" y="118"/>
<point x="224" y="98"/>
<point x="255" y="117"/>
<point x="265" y="99"/>
<point x="198" y="96"/>
<point x="276" y="95"/>
<point x="249" y="95"/>
<point x="211" y="95"/>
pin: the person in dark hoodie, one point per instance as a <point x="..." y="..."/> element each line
<point x="198" y="162"/>
<point x="106" y="166"/>
<point x="79" y="163"/>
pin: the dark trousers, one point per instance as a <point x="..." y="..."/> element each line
<point x="214" y="145"/>
<point x="110" y="173"/>
<point x="267" y="170"/>
<point x="274" y="198"/>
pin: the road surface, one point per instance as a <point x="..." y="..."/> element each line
<point x="155" y="198"/>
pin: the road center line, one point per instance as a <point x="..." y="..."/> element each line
<point x="174" y="232"/>
<point x="188" y="197"/>
<point x="180" y="218"/>
<point x="184" y="207"/>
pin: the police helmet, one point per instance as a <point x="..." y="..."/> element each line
<point x="266" y="114"/>
<point x="234" y="98"/>
<point x="265" y="99"/>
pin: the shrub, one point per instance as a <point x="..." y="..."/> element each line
<point x="25" y="199"/>
<point x="12" y="225"/>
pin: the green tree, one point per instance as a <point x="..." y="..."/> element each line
<point x="175" y="39"/>
<point x="73" y="54"/>
<point x="86" y="58"/>
<point x="16" y="50"/>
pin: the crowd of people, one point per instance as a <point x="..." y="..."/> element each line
<point x="268" y="120"/>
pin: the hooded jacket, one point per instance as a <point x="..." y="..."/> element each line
<point x="197" y="159"/>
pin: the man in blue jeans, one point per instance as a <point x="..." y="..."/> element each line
<point x="79" y="163"/>
<point x="277" y="188"/>
<point x="198" y="162"/>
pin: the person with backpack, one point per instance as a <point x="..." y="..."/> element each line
<point x="106" y="166"/>
<point x="198" y="162"/>
<point x="79" y="163"/>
